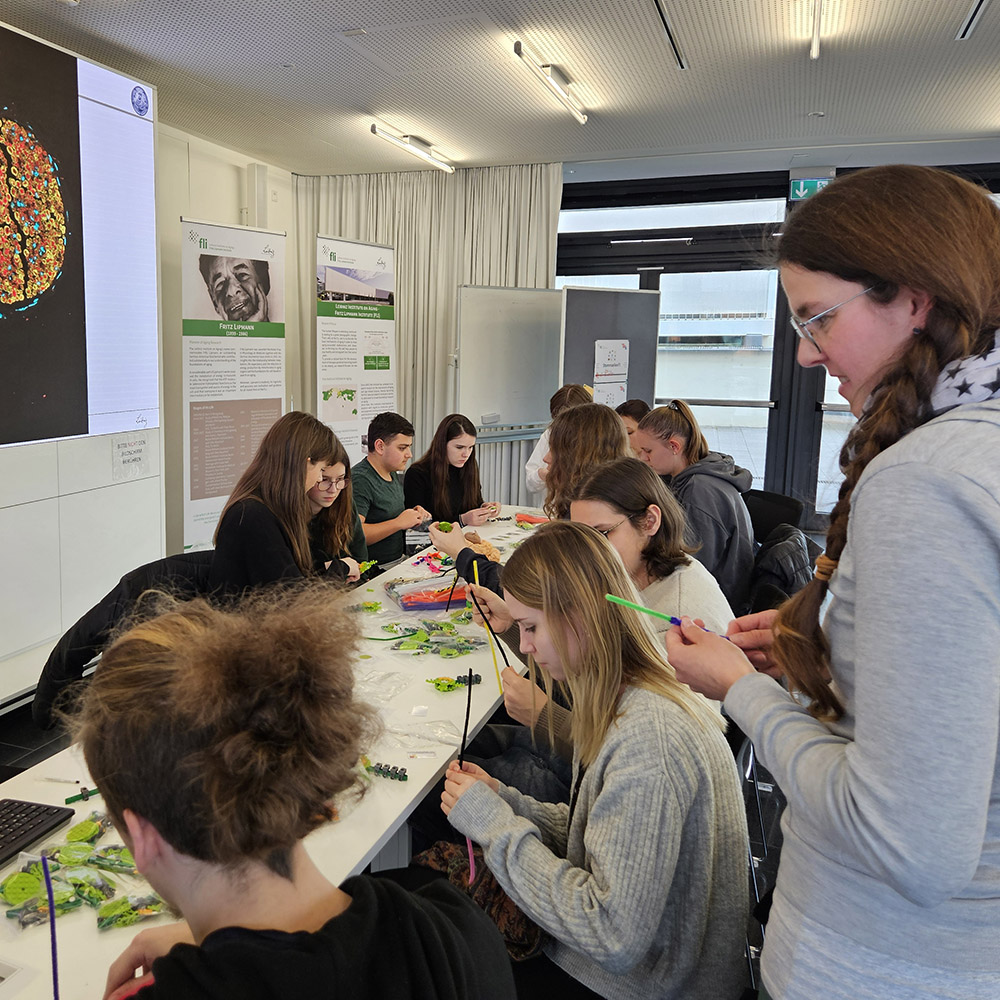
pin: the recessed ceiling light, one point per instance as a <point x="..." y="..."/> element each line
<point x="816" y="114"/>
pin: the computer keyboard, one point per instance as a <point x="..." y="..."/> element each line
<point x="22" y="823"/>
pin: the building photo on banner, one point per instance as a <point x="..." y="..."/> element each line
<point x="355" y="337"/>
<point x="233" y="326"/>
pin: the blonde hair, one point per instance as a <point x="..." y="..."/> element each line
<point x="564" y="570"/>
<point x="580" y="439"/>
<point x="229" y="730"/>
<point x="676" y="420"/>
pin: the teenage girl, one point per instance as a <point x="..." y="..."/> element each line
<point x="335" y="531"/>
<point x="445" y="481"/>
<point x="631" y="412"/>
<point x="535" y="469"/>
<point x="709" y="486"/>
<point x="641" y="880"/>
<point x="888" y="888"/>
<point x="219" y="740"/>
<point x="263" y="533"/>
<point x="580" y="439"/>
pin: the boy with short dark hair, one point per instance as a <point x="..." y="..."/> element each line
<point x="378" y="490"/>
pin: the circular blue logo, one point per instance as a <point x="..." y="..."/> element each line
<point x="140" y="101"/>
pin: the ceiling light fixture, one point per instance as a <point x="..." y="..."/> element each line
<point x="553" y="80"/>
<point x="671" y="41"/>
<point x="414" y="146"/>
<point x="817" y="28"/>
<point x="971" y="19"/>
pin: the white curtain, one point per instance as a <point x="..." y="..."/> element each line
<point x="480" y="226"/>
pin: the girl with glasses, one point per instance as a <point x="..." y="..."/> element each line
<point x="889" y="882"/>
<point x="335" y="531"/>
<point x="710" y="488"/>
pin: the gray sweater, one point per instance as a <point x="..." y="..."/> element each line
<point x="892" y="833"/>
<point x="644" y="891"/>
<point x="711" y="493"/>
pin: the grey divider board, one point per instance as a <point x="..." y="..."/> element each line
<point x="508" y="352"/>
<point x="592" y="314"/>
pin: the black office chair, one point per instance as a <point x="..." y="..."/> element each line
<point x="185" y="574"/>
<point x="764" y="803"/>
<point x="768" y="510"/>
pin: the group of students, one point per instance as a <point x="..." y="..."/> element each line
<point x="881" y="724"/>
<point x="276" y="527"/>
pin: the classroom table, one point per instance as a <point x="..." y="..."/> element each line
<point x="339" y="849"/>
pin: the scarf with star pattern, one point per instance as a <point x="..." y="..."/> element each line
<point x="969" y="380"/>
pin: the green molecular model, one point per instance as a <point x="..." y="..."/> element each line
<point x="453" y="683"/>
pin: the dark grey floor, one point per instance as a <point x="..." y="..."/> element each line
<point x="23" y="744"/>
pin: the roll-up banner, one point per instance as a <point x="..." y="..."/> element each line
<point x="233" y="298"/>
<point x="355" y="337"/>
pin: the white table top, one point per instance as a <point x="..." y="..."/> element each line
<point x="340" y="849"/>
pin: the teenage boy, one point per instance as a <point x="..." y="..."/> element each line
<point x="378" y="490"/>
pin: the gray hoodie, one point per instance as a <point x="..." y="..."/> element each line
<point x="710" y="491"/>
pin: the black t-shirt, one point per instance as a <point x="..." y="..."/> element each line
<point x="389" y="944"/>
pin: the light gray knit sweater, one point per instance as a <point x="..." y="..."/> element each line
<point x="890" y="871"/>
<point x="645" y="892"/>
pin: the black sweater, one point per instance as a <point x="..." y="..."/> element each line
<point x="418" y="489"/>
<point x="389" y="944"/>
<point x="253" y="549"/>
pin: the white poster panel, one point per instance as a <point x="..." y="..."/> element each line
<point x="610" y="372"/>
<point x="233" y="308"/>
<point x="355" y="337"/>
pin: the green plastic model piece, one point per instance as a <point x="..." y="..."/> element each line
<point x="84" y="831"/>
<point x="71" y="854"/>
<point x="113" y="858"/>
<point x="36" y="909"/>
<point x="445" y="526"/>
<point x="367" y="565"/>
<point x="20" y="886"/>
<point x="91" y="886"/>
<point x="128" y="910"/>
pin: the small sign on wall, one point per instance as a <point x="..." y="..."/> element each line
<point x="129" y="456"/>
<point x="611" y="371"/>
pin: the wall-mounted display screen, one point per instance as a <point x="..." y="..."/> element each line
<point x="78" y="305"/>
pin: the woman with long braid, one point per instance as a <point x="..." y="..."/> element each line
<point x="889" y="884"/>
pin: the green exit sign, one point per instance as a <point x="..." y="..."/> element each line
<point x="806" y="187"/>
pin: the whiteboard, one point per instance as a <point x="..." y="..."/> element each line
<point x="508" y="353"/>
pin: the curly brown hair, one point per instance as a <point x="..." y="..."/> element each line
<point x="889" y="228"/>
<point x="229" y="730"/>
<point x="580" y="439"/>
